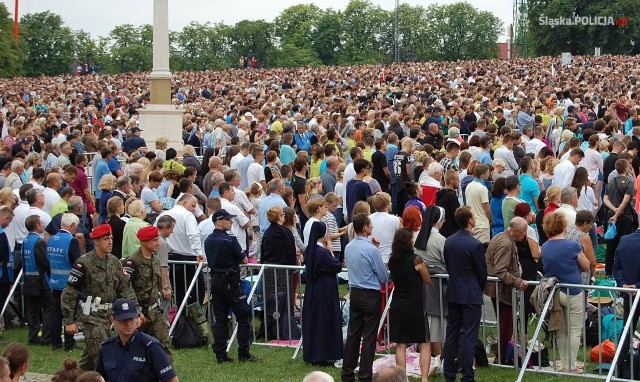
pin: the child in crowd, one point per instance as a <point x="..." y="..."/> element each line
<point x="333" y="231"/>
<point x="5" y="372"/>
<point x="18" y="356"/>
<point x="254" y="192"/>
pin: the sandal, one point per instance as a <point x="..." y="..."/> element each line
<point x="577" y="370"/>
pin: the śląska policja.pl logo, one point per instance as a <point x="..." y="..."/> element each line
<point x="584" y="21"/>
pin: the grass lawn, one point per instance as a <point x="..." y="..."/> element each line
<point x="195" y="365"/>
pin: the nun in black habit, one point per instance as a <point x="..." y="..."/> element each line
<point x="321" y="315"/>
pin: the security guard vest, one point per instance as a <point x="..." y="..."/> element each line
<point x="29" y="255"/>
<point x="58" y="254"/>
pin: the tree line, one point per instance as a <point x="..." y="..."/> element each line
<point x="306" y="35"/>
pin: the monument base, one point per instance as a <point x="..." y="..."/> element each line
<point x="161" y="121"/>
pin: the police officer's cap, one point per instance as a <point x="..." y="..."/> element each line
<point x="221" y="214"/>
<point x="124" y="309"/>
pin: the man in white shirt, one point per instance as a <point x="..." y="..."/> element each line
<point x="235" y="160"/>
<point x="569" y="198"/>
<point x="255" y="172"/>
<point x="16" y="229"/>
<point x="51" y="196"/>
<point x="206" y="226"/>
<point x="505" y="153"/>
<point x="563" y="173"/>
<point x="477" y="197"/>
<point x="241" y="227"/>
<point x="185" y="245"/>
<point x="186" y="187"/>
<point x="535" y="145"/>
<point x="241" y="200"/>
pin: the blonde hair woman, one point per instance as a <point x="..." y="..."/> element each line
<point x="107" y="185"/>
<point x="162" y="144"/>
<point x="8" y="198"/>
<point x="313" y="188"/>
<point x="137" y="213"/>
<point x="154" y="165"/>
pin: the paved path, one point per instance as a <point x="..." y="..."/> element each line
<point x="35" y="377"/>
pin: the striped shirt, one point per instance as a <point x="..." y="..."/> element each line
<point x="332" y="227"/>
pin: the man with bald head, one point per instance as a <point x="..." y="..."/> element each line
<point x="215" y="166"/>
<point x="51" y="196"/>
<point x="502" y="262"/>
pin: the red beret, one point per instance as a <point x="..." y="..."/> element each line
<point x="101" y="230"/>
<point x="147" y="233"/>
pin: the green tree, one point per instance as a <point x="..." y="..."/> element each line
<point x="293" y="32"/>
<point x="416" y="40"/>
<point x="11" y="54"/>
<point x="366" y="33"/>
<point x="49" y="44"/>
<point x="131" y="48"/>
<point x="252" y="38"/>
<point x="325" y="38"/>
<point x="203" y="46"/>
<point x="582" y="39"/>
<point x="463" y="32"/>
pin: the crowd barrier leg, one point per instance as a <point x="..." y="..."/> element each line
<point x="385" y="313"/>
<point x="543" y="314"/>
<point x="11" y="292"/>
<point x="183" y="304"/>
<point x="627" y="330"/>
<point x="252" y="293"/>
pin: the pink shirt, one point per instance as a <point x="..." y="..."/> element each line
<point x="593" y="162"/>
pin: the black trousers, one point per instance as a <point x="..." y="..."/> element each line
<point x="226" y="294"/>
<point x="624" y="364"/>
<point x="39" y="310"/>
<point x="364" y="318"/>
<point x="56" y="325"/>
<point x="181" y="276"/>
<point x="467" y="318"/>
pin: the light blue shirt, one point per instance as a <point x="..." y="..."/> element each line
<point x="243" y="166"/>
<point x="287" y="154"/>
<point x="102" y="169"/>
<point x="364" y="264"/>
<point x="270" y="201"/>
<point x="529" y="191"/>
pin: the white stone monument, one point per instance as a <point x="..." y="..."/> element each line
<point x="160" y="118"/>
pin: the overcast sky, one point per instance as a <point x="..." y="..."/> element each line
<point x="99" y="18"/>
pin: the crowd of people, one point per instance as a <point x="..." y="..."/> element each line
<point x="397" y="172"/>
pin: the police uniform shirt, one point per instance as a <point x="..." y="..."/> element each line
<point x="223" y="252"/>
<point x="141" y="359"/>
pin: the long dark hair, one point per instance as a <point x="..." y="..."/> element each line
<point x="580" y="179"/>
<point x="402" y="246"/>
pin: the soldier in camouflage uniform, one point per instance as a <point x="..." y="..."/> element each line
<point x="143" y="268"/>
<point x="95" y="282"/>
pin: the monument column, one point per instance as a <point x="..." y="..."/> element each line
<point x="160" y="118"/>
<point x="160" y="75"/>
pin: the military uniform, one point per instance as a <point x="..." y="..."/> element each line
<point x="145" y="278"/>
<point x="92" y="278"/>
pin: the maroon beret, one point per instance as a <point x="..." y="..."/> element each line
<point x="101" y="230"/>
<point x="147" y="233"/>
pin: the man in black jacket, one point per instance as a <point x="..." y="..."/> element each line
<point x="447" y="198"/>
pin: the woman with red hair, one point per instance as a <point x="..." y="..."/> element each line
<point x="412" y="219"/>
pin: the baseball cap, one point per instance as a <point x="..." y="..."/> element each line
<point x="136" y="129"/>
<point x="571" y="108"/>
<point x="221" y="214"/>
<point x="124" y="309"/>
<point x="24" y="141"/>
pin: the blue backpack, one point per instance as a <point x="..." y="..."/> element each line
<point x="612" y="328"/>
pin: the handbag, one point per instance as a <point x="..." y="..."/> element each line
<point x="612" y="231"/>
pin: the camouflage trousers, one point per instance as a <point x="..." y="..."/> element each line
<point x="94" y="335"/>
<point x="155" y="325"/>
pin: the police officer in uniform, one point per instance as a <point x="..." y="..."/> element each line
<point x="63" y="249"/>
<point x="224" y="256"/>
<point x="35" y="288"/>
<point x="132" y="356"/>
<point x="143" y="269"/>
<point x="95" y="282"/>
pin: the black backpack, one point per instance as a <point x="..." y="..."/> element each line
<point x="187" y="334"/>
<point x="592" y="331"/>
